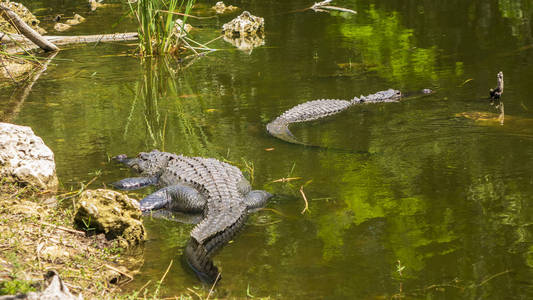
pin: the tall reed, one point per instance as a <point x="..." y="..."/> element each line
<point x="158" y="25"/>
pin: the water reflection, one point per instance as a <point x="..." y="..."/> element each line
<point x="246" y="43"/>
<point x="160" y="86"/>
<point x="22" y="90"/>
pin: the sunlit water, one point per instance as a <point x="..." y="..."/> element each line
<point x="408" y="197"/>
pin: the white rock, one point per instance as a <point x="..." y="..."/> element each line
<point x="24" y="156"/>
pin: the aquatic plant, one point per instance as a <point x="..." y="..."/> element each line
<point x="161" y="30"/>
<point x="159" y="107"/>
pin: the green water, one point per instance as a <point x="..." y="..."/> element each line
<point x="447" y="197"/>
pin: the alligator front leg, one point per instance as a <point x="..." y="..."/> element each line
<point x="256" y="199"/>
<point x="175" y="197"/>
<point x="134" y="183"/>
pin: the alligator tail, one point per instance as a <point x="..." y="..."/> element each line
<point x="199" y="260"/>
<point x="199" y="255"/>
<point x="280" y="130"/>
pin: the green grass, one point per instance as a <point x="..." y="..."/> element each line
<point x="16" y="286"/>
<point x="157" y="20"/>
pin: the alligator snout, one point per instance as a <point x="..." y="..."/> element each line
<point x="120" y="157"/>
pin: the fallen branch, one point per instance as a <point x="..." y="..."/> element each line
<point x="13" y="19"/>
<point x="287" y="179"/>
<point x="118" y="271"/>
<point x="322" y="6"/>
<point x="62" y="228"/>
<point x="19" y="43"/>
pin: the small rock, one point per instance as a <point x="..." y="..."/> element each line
<point x="61" y="27"/>
<point x="54" y="253"/>
<point x="179" y="28"/>
<point x="221" y="8"/>
<point x="93" y="4"/>
<point x="110" y="212"/>
<point x="245" y="32"/>
<point x="244" y="25"/>
<point x="77" y="19"/>
<point x="25" y="157"/>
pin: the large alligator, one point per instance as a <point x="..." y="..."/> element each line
<point x="196" y="185"/>
<point x="318" y="109"/>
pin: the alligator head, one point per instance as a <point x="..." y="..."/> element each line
<point x="382" y="96"/>
<point x="146" y="163"/>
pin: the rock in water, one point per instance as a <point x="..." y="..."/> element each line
<point x="26" y="158"/>
<point x="221" y="8"/>
<point x="245" y="32"/>
<point x="244" y="25"/>
<point x="61" y="27"/>
<point x="112" y="213"/>
<point x="93" y="4"/>
<point x="77" y="19"/>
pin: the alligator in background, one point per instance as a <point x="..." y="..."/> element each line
<point x="318" y="109"/>
<point x="196" y="185"/>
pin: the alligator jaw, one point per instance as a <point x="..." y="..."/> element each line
<point x="122" y="158"/>
<point x="130" y="162"/>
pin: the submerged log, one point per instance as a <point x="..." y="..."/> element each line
<point x="323" y="6"/>
<point x="26" y="30"/>
<point x="18" y="43"/>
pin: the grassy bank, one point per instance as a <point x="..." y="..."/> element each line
<point x="36" y="235"/>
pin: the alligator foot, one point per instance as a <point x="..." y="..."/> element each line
<point x="134" y="183"/>
<point x="176" y="197"/>
<point x="256" y="199"/>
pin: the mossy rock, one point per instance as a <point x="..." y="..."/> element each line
<point x="24" y="14"/>
<point x="112" y="213"/>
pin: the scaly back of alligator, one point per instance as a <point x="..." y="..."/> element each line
<point x="308" y="111"/>
<point x="318" y="109"/>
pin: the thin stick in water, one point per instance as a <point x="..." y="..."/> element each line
<point x="213" y="286"/>
<point x="306" y="208"/>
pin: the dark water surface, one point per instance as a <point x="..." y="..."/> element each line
<point x="413" y="184"/>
